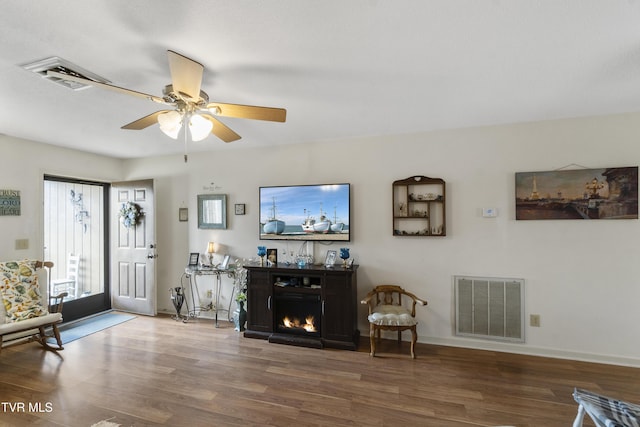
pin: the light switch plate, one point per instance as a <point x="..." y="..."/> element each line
<point x="22" y="244"/>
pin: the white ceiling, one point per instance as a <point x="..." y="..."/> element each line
<point x="341" y="68"/>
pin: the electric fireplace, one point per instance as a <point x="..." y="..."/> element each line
<point x="298" y="313"/>
<point x="313" y="306"/>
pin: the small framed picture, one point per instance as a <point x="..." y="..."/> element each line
<point x="330" y="260"/>
<point x="239" y="208"/>
<point x="183" y="214"/>
<point x="225" y="263"/>
<point x="193" y="259"/>
<point x="272" y="255"/>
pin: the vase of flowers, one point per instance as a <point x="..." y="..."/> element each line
<point x="240" y="314"/>
<point x="129" y="213"/>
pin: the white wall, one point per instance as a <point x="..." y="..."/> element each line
<point x="581" y="276"/>
<point x="24" y="163"/>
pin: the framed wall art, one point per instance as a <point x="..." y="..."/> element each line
<point x="183" y="214"/>
<point x="9" y="202"/>
<point x="607" y="193"/>
<point x="212" y="211"/>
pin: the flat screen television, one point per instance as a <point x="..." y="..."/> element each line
<point x="320" y="212"/>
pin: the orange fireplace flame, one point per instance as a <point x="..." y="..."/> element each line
<point x="308" y="326"/>
<point x="288" y="323"/>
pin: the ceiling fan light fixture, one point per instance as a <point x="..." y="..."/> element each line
<point x="200" y="127"/>
<point x="188" y="105"/>
<point x="170" y="123"/>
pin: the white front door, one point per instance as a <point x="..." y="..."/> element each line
<point x="133" y="249"/>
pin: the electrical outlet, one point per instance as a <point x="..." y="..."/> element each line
<point x="209" y="293"/>
<point x="534" y="320"/>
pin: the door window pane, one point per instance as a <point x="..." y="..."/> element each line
<point x="74" y="237"/>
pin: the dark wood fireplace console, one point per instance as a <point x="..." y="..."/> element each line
<point x="334" y="289"/>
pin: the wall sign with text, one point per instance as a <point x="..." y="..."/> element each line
<point x="9" y="202"/>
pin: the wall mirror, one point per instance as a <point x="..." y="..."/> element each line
<point x="212" y="211"/>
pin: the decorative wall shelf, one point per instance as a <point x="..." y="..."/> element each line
<point x="419" y="207"/>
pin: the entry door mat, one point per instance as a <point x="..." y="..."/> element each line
<point x="90" y="326"/>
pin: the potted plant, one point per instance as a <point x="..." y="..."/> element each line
<point x="240" y="314"/>
<point x="241" y="297"/>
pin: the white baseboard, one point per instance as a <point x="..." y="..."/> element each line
<point x="532" y="351"/>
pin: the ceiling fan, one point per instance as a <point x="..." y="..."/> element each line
<point x="191" y="105"/>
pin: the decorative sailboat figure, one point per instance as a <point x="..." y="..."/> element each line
<point x="273" y="225"/>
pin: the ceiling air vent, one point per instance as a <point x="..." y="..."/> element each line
<point x="64" y="67"/>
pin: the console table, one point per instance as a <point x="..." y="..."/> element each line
<point x="335" y="289"/>
<point x="193" y="271"/>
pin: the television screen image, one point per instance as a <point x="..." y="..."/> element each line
<point x="306" y="212"/>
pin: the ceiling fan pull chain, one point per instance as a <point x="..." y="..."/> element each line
<point x="185" y="143"/>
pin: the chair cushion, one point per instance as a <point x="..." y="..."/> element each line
<point x="391" y="315"/>
<point x="21" y="297"/>
<point x="32" y="323"/>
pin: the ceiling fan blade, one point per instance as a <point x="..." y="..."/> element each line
<point x="221" y="130"/>
<point x="186" y="75"/>
<point x="146" y="121"/>
<point x="249" y="112"/>
<point x="71" y="78"/>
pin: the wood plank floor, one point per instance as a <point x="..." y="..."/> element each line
<point x="156" y="371"/>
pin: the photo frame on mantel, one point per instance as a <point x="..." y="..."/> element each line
<point x="330" y="259"/>
<point x="212" y="211"/>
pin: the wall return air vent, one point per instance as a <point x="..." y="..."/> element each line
<point x="63" y="66"/>
<point x="490" y="308"/>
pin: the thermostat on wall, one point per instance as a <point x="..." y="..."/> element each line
<point x="489" y="212"/>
